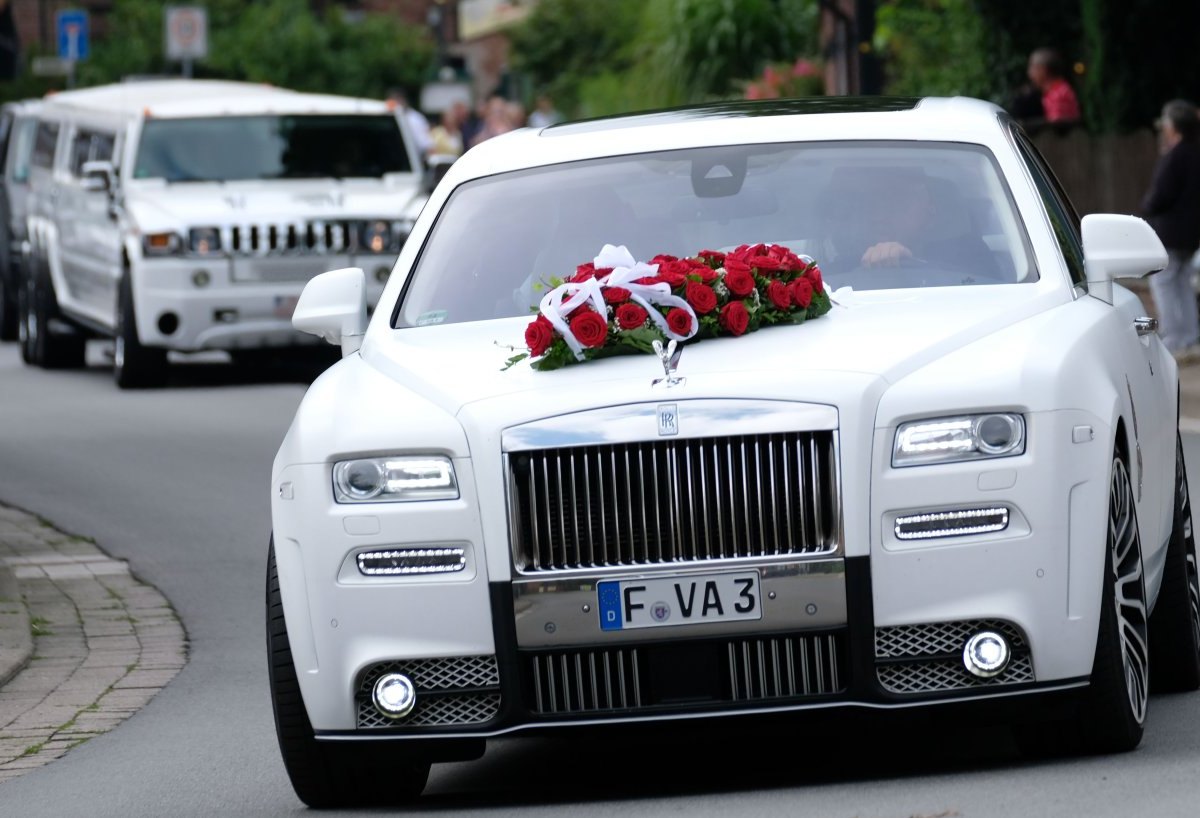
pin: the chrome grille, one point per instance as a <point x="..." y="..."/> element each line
<point x="671" y="501"/>
<point x="442" y="711"/>
<point x="450" y="691"/>
<point x="616" y="680"/>
<point x="939" y="637"/>
<point x="927" y="658"/>
<point x="289" y="237"/>
<point x="948" y="674"/>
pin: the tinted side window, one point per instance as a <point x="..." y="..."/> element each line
<point x="43" y="144"/>
<point x="1063" y="217"/>
<point x="21" y="150"/>
<point x="89" y="146"/>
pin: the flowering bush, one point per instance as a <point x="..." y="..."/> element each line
<point x="799" y="79"/>
<point x="615" y="305"/>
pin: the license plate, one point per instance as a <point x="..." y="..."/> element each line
<point x="662" y="602"/>
<point x="285" y="305"/>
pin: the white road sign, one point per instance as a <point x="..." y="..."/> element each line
<point x="186" y="32"/>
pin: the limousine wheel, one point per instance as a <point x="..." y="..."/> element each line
<point x="23" y="317"/>
<point x="134" y="366"/>
<point x="323" y="774"/>
<point x="8" y="312"/>
<point x="1175" y="625"/>
<point x="44" y="345"/>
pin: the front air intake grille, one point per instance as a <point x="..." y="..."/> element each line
<point x="674" y="501"/>
<point x="916" y="659"/>
<point x="452" y="691"/>
<point x="699" y="675"/>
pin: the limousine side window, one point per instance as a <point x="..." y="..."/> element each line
<point x="90" y="146"/>
<point x="43" y="144"/>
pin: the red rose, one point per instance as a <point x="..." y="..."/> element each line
<point x="701" y="297"/>
<point x="589" y="328"/>
<point x="764" y="263"/>
<point x="802" y="293"/>
<point x="780" y="295"/>
<point x="539" y="335"/>
<point x="583" y="272"/>
<point x="662" y="259"/>
<point x="814" y="276"/>
<point x="705" y="274"/>
<point x="712" y="257"/>
<point x="615" y="295"/>
<point x="738" y="278"/>
<point x="734" y="317"/>
<point x="630" y="316"/>
<point x="674" y="268"/>
<point x="673" y="279"/>
<point x="680" y="321"/>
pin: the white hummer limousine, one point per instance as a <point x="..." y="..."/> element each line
<point x="186" y="215"/>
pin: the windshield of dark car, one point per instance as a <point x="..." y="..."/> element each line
<point x="307" y="146"/>
<point x="500" y="240"/>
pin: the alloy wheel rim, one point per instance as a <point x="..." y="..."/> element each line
<point x="1129" y="592"/>
<point x="1183" y="502"/>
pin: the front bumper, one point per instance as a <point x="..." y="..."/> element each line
<point x="233" y="311"/>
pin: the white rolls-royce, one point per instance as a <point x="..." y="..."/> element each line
<point x="736" y="409"/>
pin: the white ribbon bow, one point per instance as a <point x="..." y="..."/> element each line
<point x="559" y="302"/>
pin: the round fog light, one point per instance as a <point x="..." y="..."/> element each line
<point x="986" y="654"/>
<point x="394" y="695"/>
<point x="201" y="278"/>
<point x="382" y="273"/>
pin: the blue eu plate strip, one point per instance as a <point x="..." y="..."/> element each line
<point x="609" y="594"/>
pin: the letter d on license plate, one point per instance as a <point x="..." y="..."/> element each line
<point x="662" y="602"/>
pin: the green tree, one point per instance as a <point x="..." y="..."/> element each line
<point x="934" y="47"/>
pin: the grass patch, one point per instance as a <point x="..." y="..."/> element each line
<point x="33" y="749"/>
<point x="39" y="626"/>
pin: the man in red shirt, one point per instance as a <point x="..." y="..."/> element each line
<point x="1058" y="98"/>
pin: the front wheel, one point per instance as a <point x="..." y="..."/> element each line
<point x="326" y="775"/>
<point x="1175" y="625"/>
<point x="42" y="343"/>
<point x="134" y="366"/>
<point x="8" y="309"/>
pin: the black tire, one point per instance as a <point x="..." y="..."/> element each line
<point x="45" y="345"/>
<point x="1175" y="623"/>
<point x="1110" y="715"/>
<point x="8" y="307"/>
<point x="23" y="319"/>
<point x="134" y="366"/>
<point x="325" y="774"/>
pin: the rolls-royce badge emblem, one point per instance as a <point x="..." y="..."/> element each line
<point x="668" y="419"/>
<point x="669" y="357"/>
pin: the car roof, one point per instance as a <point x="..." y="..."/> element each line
<point x="180" y="98"/>
<point x="956" y="119"/>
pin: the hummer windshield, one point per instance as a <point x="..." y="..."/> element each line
<point x="229" y="148"/>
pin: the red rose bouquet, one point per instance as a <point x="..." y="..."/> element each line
<point x="616" y="305"/>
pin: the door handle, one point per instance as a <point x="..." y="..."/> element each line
<point x="1145" y="326"/>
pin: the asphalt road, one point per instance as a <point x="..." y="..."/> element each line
<point x="176" y="481"/>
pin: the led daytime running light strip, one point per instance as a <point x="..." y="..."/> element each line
<point x="412" y="561"/>
<point x="956" y="523"/>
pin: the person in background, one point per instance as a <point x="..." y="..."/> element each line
<point x="497" y="119"/>
<point x="473" y="124"/>
<point x="1172" y="207"/>
<point x="1045" y="71"/>
<point x="447" y="137"/>
<point x="544" y="115"/>
<point x="417" y="124"/>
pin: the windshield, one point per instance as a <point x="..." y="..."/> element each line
<point x="500" y="239"/>
<point x="227" y="148"/>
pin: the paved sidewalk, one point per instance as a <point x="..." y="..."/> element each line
<point x="83" y="643"/>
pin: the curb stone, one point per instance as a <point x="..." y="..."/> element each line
<point x="85" y="646"/>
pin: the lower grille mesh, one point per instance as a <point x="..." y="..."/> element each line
<point x="451" y="691"/>
<point x="927" y="658"/>
<point x="647" y="677"/>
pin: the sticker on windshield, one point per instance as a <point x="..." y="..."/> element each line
<point x="431" y="317"/>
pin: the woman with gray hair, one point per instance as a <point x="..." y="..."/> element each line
<point x="1172" y="206"/>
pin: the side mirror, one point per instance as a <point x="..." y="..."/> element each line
<point x="1118" y="247"/>
<point x="333" y="305"/>
<point x="436" y="165"/>
<point x="98" y="175"/>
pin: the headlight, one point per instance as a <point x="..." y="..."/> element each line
<point x="950" y="440"/>
<point x="161" y="244"/>
<point x="394" y="480"/>
<point x="376" y="237"/>
<point x="204" y="241"/>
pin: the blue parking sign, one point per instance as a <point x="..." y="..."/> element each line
<point x="71" y="26"/>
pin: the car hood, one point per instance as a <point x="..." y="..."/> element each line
<point x="865" y="338"/>
<point x="158" y="205"/>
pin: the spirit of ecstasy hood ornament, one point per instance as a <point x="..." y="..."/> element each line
<point x="669" y="357"/>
